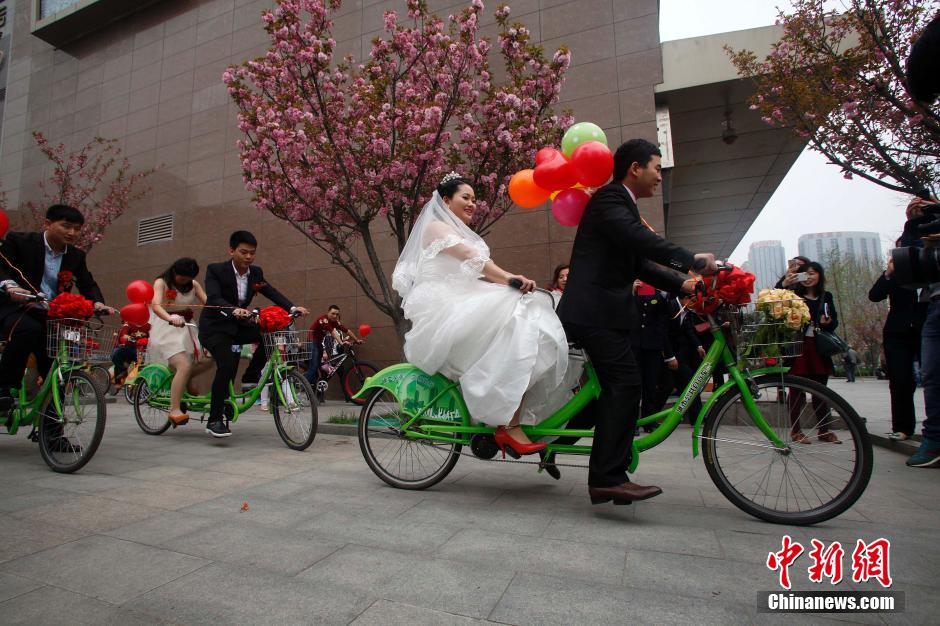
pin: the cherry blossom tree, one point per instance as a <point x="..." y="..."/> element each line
<point x="349" y="151"/>
<point x="837" y="78"/>
<point x="95" y="179"/>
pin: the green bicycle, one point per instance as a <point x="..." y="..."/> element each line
<point x="292" y="398"/>
<point x="414" y="426"/>
<point x="67" y="412"/>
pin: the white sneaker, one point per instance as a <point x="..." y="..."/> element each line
<point x="898" y="436"/>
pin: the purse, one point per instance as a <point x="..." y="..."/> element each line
<point x="829" y="344"/>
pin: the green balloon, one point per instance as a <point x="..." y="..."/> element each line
<point x="579" y="133"/>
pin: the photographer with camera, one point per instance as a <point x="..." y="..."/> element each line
<point x="916" y="266"/>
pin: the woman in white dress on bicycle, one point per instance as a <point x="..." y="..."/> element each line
<point x="470" y="326"/>
<point x="176" y="294"/>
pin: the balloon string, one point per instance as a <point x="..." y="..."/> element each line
<point x="15" y="268"/>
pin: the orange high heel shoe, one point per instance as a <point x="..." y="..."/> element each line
<point x="179" y="420"/>
<point x="514" y="448"/>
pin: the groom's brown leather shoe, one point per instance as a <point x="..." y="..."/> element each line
<point x="622" y="494"/>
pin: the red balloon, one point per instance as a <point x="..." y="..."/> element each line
<point x="4" y="223"/>
<point x="556" y="173"/>
<point x="593" y="163"/>
<point x="364" y="330"/>
<point x="545" y="154"/>
<point x="139" y="291"/>
<point x="137" y="314"/>
<point x="568" y="206"/>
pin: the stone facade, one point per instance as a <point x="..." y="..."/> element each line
<point x="153" y="81"/>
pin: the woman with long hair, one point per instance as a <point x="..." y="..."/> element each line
<point x="175" y="296"/>
<point x="811" y="364"/>
<point x="559" y="278"/>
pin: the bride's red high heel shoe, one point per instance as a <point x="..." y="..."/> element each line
<point x="514" y="448"/>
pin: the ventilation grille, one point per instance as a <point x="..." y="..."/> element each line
<point x="3" y="94"/>
<point x="154" y="229"/>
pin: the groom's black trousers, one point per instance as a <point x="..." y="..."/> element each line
<point x="614" y="413"/>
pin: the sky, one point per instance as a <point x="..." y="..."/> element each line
<point x="814" y="197"/>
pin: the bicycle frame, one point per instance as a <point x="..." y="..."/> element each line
<point x="158" y="377"/>
<point x="437" y="423"/>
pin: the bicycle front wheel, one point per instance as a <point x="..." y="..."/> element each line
<point x="102" y="377"/>
<point x="296" y="421"/>
<point x="355" y="377"/>
<point x="69" y="439"/>
<point x="803" y="483"/>
<point x="152" y="420"/>
<point x="398" y="460"/>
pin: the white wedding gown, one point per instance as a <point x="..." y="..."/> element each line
<point x="498" y="343"/>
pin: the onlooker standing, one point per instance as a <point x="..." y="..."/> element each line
<point x="559" y="279"/>
<point x="850" y="363"/>
<point x="901" y="341"/>
<point x="648" y="340"/>
<point x="682" y="349"/>
<point x="811" y="364"/>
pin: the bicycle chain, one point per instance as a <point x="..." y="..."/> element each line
<point x="495" y="460"/>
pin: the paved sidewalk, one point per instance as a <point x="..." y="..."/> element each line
<point x="153" y="531"/>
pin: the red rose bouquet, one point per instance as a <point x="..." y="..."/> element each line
<point x="142" y="342"/>
<point x="256" y="287"/>
<point x="71" y="306"/>
<point x="273" y="318"/>
<point x="733" y="287"/>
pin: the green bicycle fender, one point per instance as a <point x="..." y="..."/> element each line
<point x="720" y="392"/>
<point x="156" y="375"/>
<point x="415" y="389"/>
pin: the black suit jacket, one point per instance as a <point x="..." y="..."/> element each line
<point x="612" y="249"/>
<point x="222" y="291"/>
<point x="26" y="252"/>
<point x="653" y="316"/>
<point x="681" y="339"/>
<point x="906" y="312"/>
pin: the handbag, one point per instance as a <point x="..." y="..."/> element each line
<point x="829" y="344"/>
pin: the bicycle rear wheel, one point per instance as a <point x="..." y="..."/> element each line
<point x="297" y="421"/>
<point x="802" y="483"/>
<point x="152" y="420"/>
<point x="354" y="377"/>
<point x="67" y="441"/>
<point x="399" y="461"/>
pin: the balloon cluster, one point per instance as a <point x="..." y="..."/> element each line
<point x="137" y="313"/>
<point x="567" y="176"/>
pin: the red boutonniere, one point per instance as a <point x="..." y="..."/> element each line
<point x="65" y="281"/>
<point x="259" y="286"/>
<point x="170" y="295"/>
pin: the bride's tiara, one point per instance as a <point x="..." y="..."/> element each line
<point x="452" y="176"/>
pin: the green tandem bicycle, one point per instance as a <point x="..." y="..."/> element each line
<point x="292" y="401"/>
<point x="67" y="413"/>
<point x="414" y="426"/>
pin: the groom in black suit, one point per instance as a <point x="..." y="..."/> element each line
<point x="230" y="287"/>
<point x="614" y="247"/>
<point x="45" y="262"/>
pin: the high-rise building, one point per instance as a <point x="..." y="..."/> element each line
<point x="820" y="246"/>
<point x="767" y="261"/>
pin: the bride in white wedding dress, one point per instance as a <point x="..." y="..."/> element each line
<point x="468" y="325"/>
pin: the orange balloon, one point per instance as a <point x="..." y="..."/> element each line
<point x="524" y="191"/>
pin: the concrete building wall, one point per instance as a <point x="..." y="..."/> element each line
<point x="153" y="82"/>
<point x="767" y="261"/>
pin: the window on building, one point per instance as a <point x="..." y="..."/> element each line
<point x="819" y="250"/>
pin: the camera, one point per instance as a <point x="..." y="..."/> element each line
<point x="914" y="265"/>
<point x="800" y="276"/>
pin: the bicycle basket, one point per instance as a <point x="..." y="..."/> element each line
<point x="294" y="346"/>
<point x="768" y="333"/>
<point x="79" y="341"/>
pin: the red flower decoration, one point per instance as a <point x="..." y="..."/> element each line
<point x="143" y="342"/>
<point x="65" y="281"/>
<point x="734" y="287"/>
<point x="187" y="315"/>
<point x="273" y="318"/>
<point x="73" y="306"/>
<point x="259" y="286"/>
<point x="170" y="295"/>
